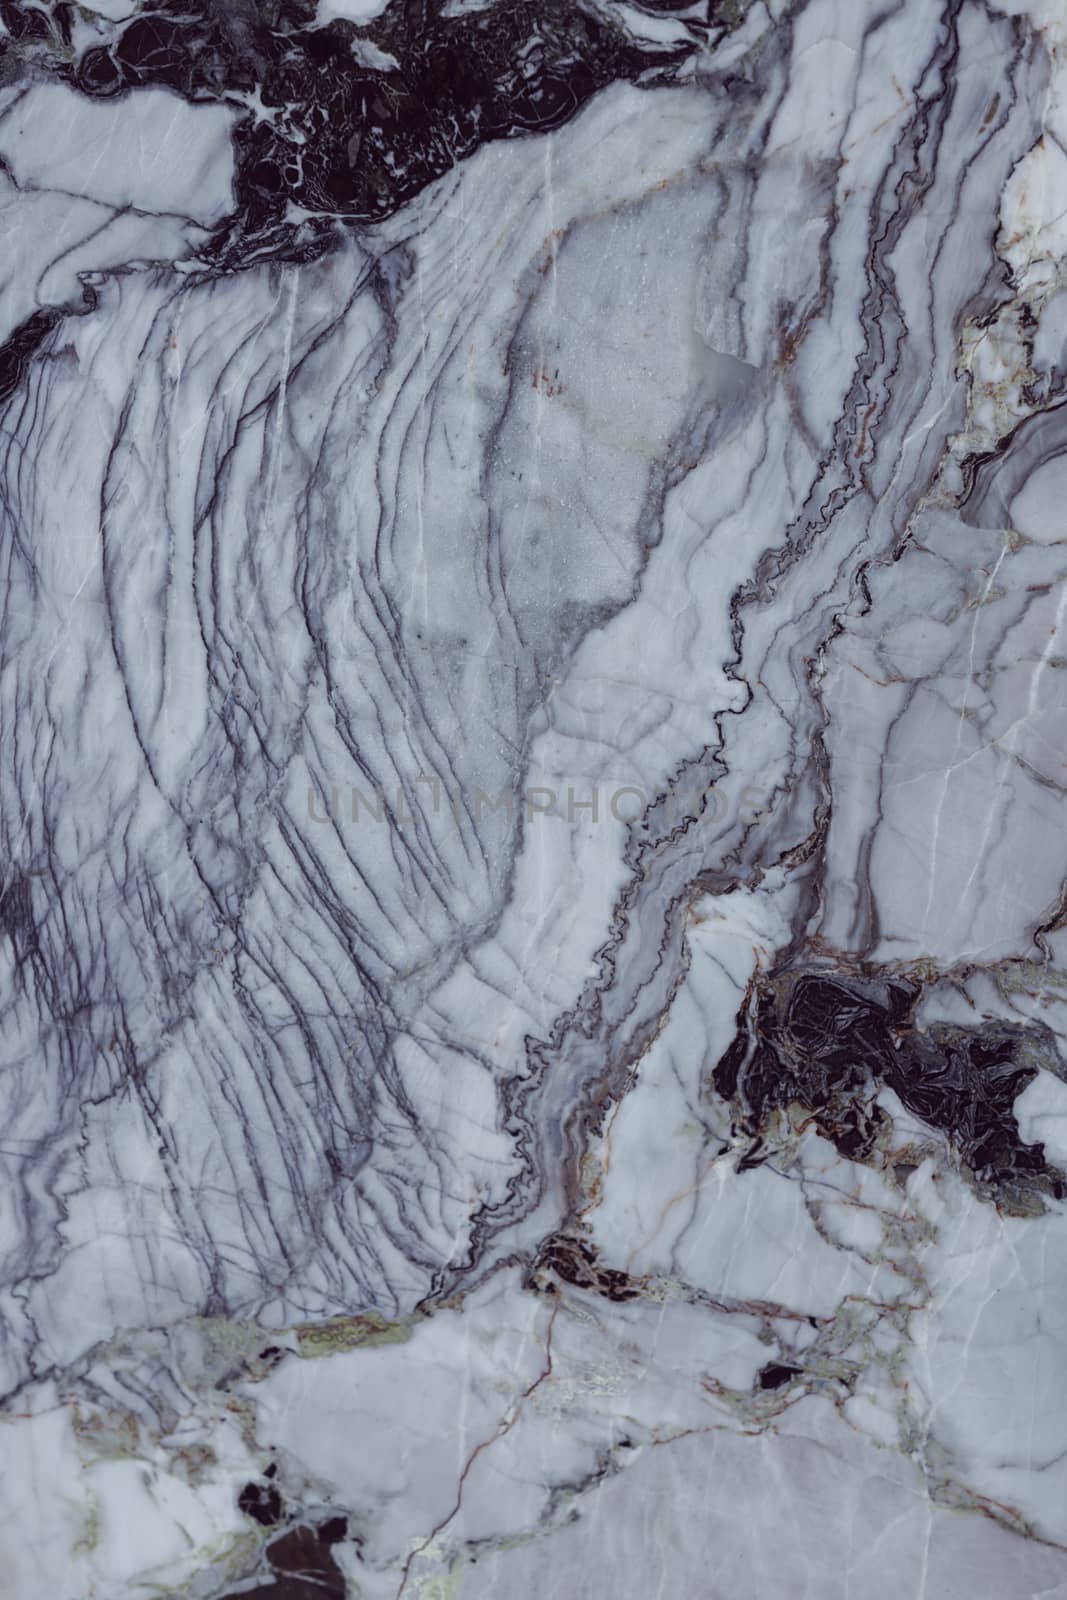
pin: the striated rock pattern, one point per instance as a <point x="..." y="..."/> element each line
<point x="533" y="865"/>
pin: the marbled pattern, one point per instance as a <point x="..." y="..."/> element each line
<point x="533" y="983"/>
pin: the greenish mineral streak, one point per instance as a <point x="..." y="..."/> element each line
<point x="364" y="1331"/>
<point x="89" y="1537"/>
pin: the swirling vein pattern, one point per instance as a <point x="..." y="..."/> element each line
<point x="533" y="866"/>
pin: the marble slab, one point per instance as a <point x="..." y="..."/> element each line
<point x="533" y="715"/>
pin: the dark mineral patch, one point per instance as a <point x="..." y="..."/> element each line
<point x="262" y="1503"/>
<point x="303" y="1565"/>
<point x="352" y="122"/>
<point x="827" y="1042"/>
<point x="574" y="1260"/>
<point x="21" y="346"/>
<point x="776" y="1376"/>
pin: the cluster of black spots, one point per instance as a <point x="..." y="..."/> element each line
<point x="828" y="1041"/>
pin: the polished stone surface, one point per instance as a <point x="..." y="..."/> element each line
<point x="533" y="980"/>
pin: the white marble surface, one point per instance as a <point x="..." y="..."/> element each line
<point x="533" y="978"/>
